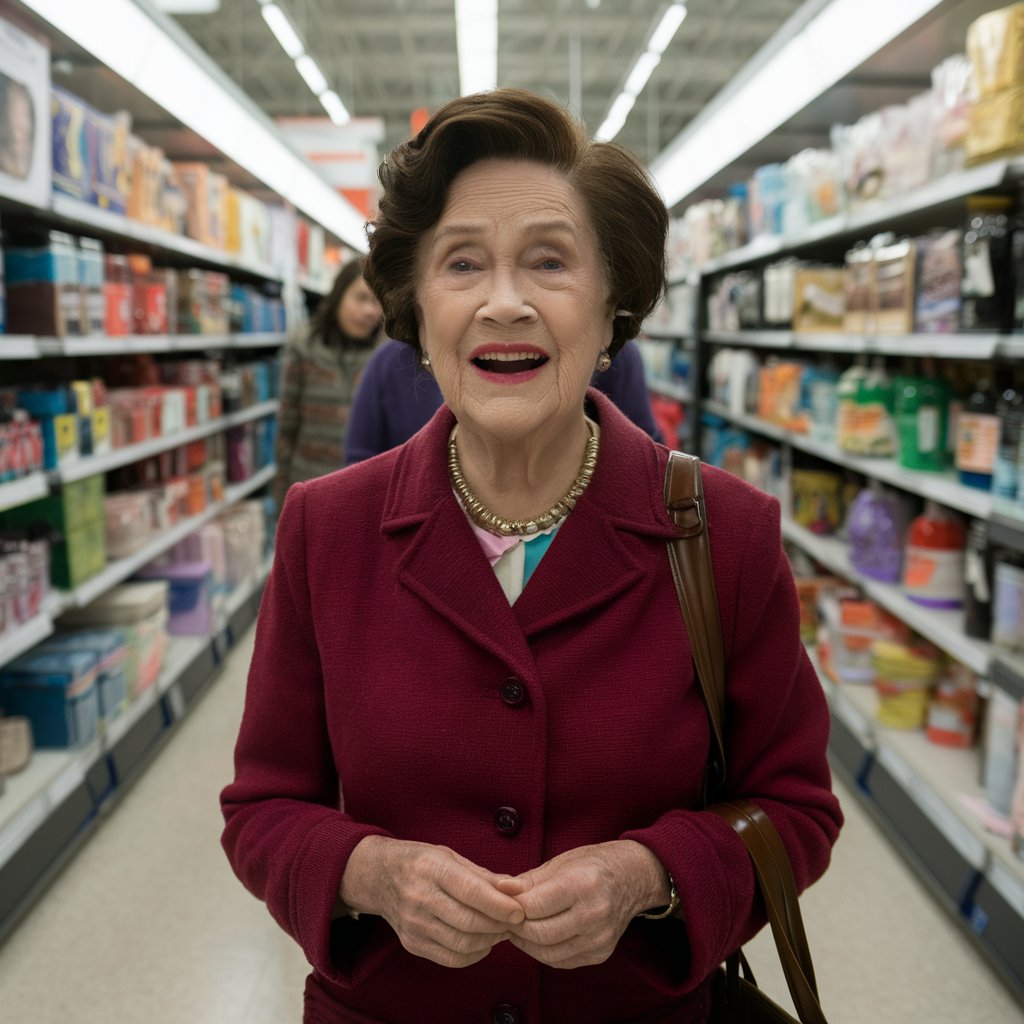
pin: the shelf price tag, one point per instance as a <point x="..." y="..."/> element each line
<point x="958" y="832"/>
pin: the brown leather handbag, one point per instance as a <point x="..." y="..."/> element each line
<point x="736" y="997"/>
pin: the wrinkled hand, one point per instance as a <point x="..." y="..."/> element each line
<point x="578" y="904"/>
<point x="442" y="907"/>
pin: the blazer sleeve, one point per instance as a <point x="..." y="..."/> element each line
<point x="625" y="385"/>
<point x="284" y="834"/>
<point x="777" y="726"/>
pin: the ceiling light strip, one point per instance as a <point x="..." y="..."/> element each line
<point x="641" y="72"/>
<point x="476" y="37"/>
<point x="134" y="44"/>
<point x="839" y="39"/>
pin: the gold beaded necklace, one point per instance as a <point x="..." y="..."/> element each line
<point x="483" y="516"/>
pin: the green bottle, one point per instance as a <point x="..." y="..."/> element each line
<point x="922" y="413"/>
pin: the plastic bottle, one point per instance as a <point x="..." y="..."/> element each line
<point x="1010" y="413"/>
<point x="986" y="289"/>
<point x="934" y="570"/>
<point x="921" y="414"/>
<point x="978" y="582"/>
<point x="977" y="437"/>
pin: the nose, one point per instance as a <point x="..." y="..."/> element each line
<point x="506" y="300"/>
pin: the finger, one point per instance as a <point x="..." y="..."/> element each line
<point x="430" y="949"/>
<point x="565" y="956"/>
<point x="481" y="896"/>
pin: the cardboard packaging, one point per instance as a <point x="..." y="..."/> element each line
<point x="819" y="302"/>
<point x="995" y="46"/>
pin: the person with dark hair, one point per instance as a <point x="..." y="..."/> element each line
<point x="321" y="367"/>
<point x="396" y="397"/>
<point x="469" y="775"/>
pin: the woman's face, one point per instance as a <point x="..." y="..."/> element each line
<point x="359" y="312"/>
<point x="512" y="299"/>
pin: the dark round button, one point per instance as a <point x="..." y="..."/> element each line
<point x="513" y="693"/>
<point x="507" y="820"/>
<point x="505" y="1014"/>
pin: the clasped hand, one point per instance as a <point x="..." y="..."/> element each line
<point x="569" y="912"/>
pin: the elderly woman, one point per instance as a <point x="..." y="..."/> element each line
<point x="469" y="774"/>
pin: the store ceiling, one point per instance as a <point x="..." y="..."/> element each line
<point x="385" y="58"/>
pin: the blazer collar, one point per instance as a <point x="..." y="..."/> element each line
<point x="588" y="564"/>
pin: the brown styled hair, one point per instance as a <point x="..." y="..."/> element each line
<point x="628" y="215"/>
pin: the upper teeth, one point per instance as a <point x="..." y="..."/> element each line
<point x="509" y="357"/>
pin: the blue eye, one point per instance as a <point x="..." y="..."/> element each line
<point x="461" y="266"/>
<point x="550" y="263"/>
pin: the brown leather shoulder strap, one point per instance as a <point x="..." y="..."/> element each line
<point x="690" y="558"/>
<point x="778" y="890"/>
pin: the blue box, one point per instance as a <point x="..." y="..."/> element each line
<point x="57" y="693"/>
<point x="111" y="649"/>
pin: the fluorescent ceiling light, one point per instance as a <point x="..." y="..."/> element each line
<point x="615" y="118"/>
<point x="642" y="69"/>
<point x="838" y="40"/>
<point x="667" y="28"/>
<point x="283" y="31"/>
<point x="188" y="6"/>
<point x="640" y="73"/>
<point x="333" y="105"/>
<point x="476" y="36"/>
<point x="137" y="47"/>
<point x="311" y="74"/>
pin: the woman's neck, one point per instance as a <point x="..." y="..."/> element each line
<point x="522" y="478"/>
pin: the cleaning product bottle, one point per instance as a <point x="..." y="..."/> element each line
<point x="978" y="582"/>
<point x="934" y="568"/>
<point x="921" y="411"/>
<point x="875" y="406"/>
<point x="978" y="437"/>
<point x="847" y="407"/>
<point x="1010" y="413"/>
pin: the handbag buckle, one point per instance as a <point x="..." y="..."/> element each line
<point x="686" y="514"/>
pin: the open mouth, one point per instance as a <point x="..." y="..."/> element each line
<point x="509" y="362"/>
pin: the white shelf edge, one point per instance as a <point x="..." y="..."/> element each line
<point x="982" y="346"/>
<point x="27" y="635"/>
<point x="669" y="389"/>
<point x="88" y="216"/>
<point x="19" y="346"/>
<point x="952" y="187"/>
<point x="944" y="629"/>
<point x="23" y="490"/>
<point x="93" y="464"/>
<point x="937" y="486"/>
<point x="131" y="344"/>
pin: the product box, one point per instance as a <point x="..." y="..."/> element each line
<point x="72" y="507"/>
<point x="190" y="600"/>
<point x="111" y="649"/>
<point x="819" y="299"/>
<point x="861" y="291"/>
<point x="91" y="279"/>
<point x="56" y="692"/>
<point x="939" y="272"/>
<point x="995" y="46"/>
<point x="24" y="117"/>
<point x="996" y="126"/>
<point x="71" y="156"/>
<point x="139" y="610"/>
<point x="894" y="282"/>
<point x="79" y="556"/>
<point x="108" y="159"/>
<point x="205" y="194"/>
<point x="44" y="288"/>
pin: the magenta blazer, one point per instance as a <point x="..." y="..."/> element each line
<point x="394" y="691"/>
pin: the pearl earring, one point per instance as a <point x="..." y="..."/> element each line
<point x="604" y="361"/>
<point x="425" y="361"/>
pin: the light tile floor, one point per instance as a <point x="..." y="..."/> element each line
<point x="147" y="925"/>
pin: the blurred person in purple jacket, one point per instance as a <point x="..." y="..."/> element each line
<point x="396" y="397"/>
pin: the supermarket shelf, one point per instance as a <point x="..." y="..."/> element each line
<point x="1006" y="526"/>
<point x="945" y="629"/>
<point x="113" y="345"/>
<point x="670" y="389"/>
<point x="94" y="464"/>
<point x="122" y="568"/>
<point x="1008" y="673"/>
<point x="27" y="635"/>
<point x="19" y="346"/>
<point x="940" y="487"/>
<point x="79" y="215"/>
<point x="943" y="346"/>
<point x="667" y="334"/>
<point x="879" y="214"/>
<point x="21" y="491"/>
<point x="307" y="284"/>
<point x="50" y="807"/>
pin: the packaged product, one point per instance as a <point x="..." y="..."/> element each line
<point x="904" y="674"/>
<point x="894" y="283"/>
<point x="996" y="126"/>
<point x="1002" y="753"/>
<point x="876" y="526"/>
<point x="921" y="411"/>
<point x="819" y="299"/>
<point x="995" y="46"/>
<point x="939" y="271"/>
<point x="933" y="574"/>
<point x="953" y="710"/>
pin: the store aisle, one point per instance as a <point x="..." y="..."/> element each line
<point x="148" y="925"/>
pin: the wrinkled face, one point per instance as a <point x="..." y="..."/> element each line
<point x="512" y="300"/>
<point x="359" y="312"/>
